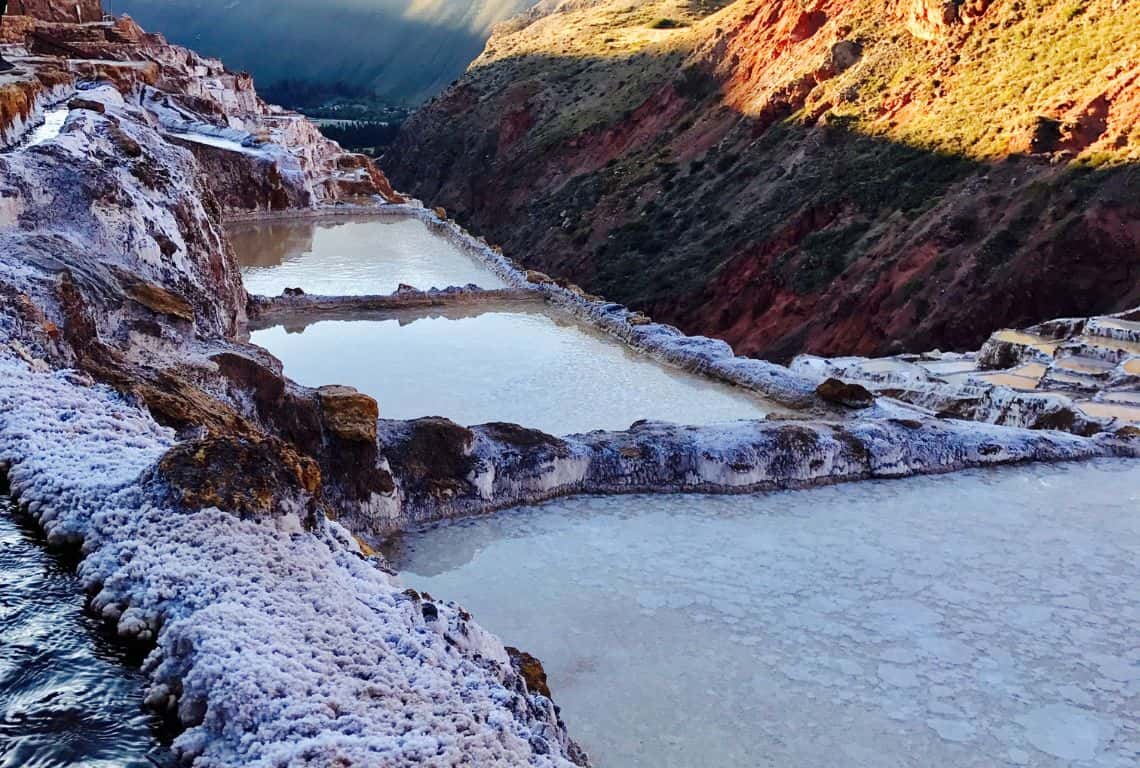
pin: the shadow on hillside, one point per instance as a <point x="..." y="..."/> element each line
<point x="780" y="232"/>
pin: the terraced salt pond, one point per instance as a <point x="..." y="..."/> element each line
<point x="988" y="618"/>
<point x="521" y="363"/>
<point x="69" y="693"/>
<point x="351" y="257"/>
<point x="515" y="363"/>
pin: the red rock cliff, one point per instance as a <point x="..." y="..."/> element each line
<point x="78" y="11"/>
<point x="835" y="176"/>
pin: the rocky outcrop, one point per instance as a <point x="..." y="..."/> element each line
<point x="443" y="470"/>
<point x="135" y="423"/>
<point x="936" y="19"/>
<point x="256" y="158"/>
<point x="68" y="11"/>
<point x="348" y="414"/>
<point x="836" y="178"/>
<point x="251" y="478"/>
<point x="846" y="394"/>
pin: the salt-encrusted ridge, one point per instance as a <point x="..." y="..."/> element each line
<point x="507" y="466"/>
<point x="277" y="645"/>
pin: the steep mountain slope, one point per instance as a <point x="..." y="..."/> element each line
<point x="835" y="176"/>
<point x="401" y="50"/>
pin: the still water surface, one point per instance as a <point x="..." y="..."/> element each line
<point x="516" y="363"/>
<point x="351" y="257"/>
<point x="983" y="619"/>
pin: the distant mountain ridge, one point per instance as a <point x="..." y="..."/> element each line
<point x="401" y="51"/>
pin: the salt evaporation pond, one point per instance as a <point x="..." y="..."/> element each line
<point x="989" y="618"/>
<point x="351" y="257"/>
<point x="514" y="363"/>
<point x="70" y="694"/>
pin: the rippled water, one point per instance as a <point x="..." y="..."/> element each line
<point x="982" y="619"/>
<point x="69" y="693"/>
<point x="351" y="257"/>
<point x="511" y="364"/>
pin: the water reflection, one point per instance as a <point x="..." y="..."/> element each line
<point x="298" y="321"/>
<point x="514" y="363"/>
<point x="351" y="257"/>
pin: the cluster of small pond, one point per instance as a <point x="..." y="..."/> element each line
<point x="987" y="618"/>
<point x="981" y="619"/>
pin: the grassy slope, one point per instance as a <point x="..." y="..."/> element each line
<point x="689" y="169"/>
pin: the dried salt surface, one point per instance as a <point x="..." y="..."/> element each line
<point x="987" y="618"/>
<point x="50" y="128"/>
<point x="289" y="648"/>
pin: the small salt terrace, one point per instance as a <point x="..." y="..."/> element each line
<point x="352" y="257"/>
<point x="520" y="363"/>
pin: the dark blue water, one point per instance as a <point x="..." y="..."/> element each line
<point x="70" y="692"/>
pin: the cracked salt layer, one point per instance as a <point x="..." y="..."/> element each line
<point x="351" y="257"/>
<point x="983" y="619"/>
<point x="524" y="367"/>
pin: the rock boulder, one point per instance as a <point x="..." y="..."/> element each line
<point x="348" y="414"/>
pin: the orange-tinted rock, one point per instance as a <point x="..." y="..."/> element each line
<point x="156" y="298"/>
<point x="530" y="670"/>
<point x="248" y="477"/>
<point x="348" y="414"/>
<point x="806" y="25"/>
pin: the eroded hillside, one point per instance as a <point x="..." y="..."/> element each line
<point x="836" y="177"/>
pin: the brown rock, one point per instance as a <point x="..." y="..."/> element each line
<point x="248" y="477"/>
<point x="844" y="55"/>
<point x="432" y="457"/>
<point x="441" y="212"/>
<point x="845" y="394"/>
<point x="530" y="670"/>
<point x="154" y="297"/>
<point x="1067" y="420"/>
<point x="639" y="319"/>
<point x="348" y="414"/>
<point x="538" y="278"/>
<point x="94" y="106"/>
<point x="58" y="10"/>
